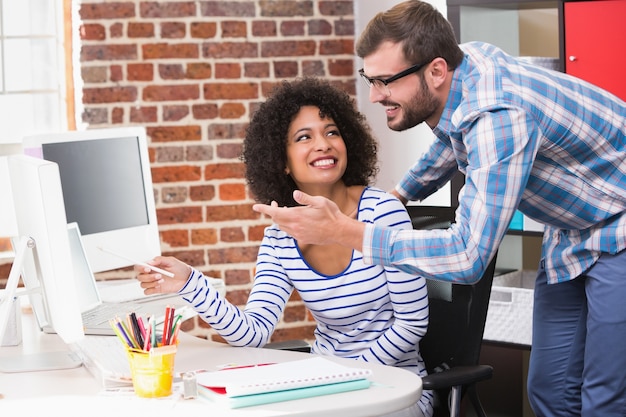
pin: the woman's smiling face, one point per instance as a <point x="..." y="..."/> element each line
<point x="316" y="152"/>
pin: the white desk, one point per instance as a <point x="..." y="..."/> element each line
<point x="76" y="392"/>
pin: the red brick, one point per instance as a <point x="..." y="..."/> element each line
<point x="232" y="212"/>
<point x="175" y="238"/>
<point x="95" y="116"/>
<point x="319" y="27"/>
<point x="237" y="277"/>
<point x="336" y="8"/>
<point x="190" y="257"/>
<point x="227" y="130"/>
<point x="264" y="28"/>
<point x="117" y="115"/>
<point x="92" y="32"/>
<point x="168" y="153"/>
<point x="227" y="70"/>
<point x="286" y="8"/>
<point x="234" y="29"/>
<point x="175" y="113"/>
<point x="313" y="68"/>
<point x="223" y="171"/>
<point x="220" y="50"/>
<point x="116" y="73"/>
<point x="166" y="50"/>
<point x="165" y="9"/>
<point x="233" y="255"/>
<point x="337" y="47"/>
<point x="255" y="233"/>
<point x="171" y="71"/>
<point x="109" y="95"/>
<point x="202" y="193"/>
<point x="171" y="92"/>
<point x="203" y="30"/>
<point x="140" y="72"/>
<point x="285" y="69"/>
<point x="108" y="10"/>
<point x="256" y="69"/>
<point x="232" y="234"/>
<point x="176" y="173"/>
<point x="174" y="133"/>
<point x="294" y="313"/>
<point x="170" y="195"/>
<point x="232" y="110"/>
<point x="344" y="27"/>
<point x="173" y="30"/>
<point x="287" y="48"/>
<point x="230" y="91"/>
<point x="232" y="192"/>
<point x="198" y="70"/>
<point x="181" y="214"/>
<point x="94" y="74"/>
<point x="292" y="28"/>
<point x="227" y="8"/>
<point x="199" y="152"/>
<point x="206" y="236"/>
<point x="107" y="52"/>
<point x="116" y="30"/>
<point x="140" y="30"/>
<point x="143" y="114"/>
<point x="341" y="67"/>
<point x="237" y="297"/>
<point x="302" y="332"/>
<point x="204" y="111"/>
<point x="229" y="150"/>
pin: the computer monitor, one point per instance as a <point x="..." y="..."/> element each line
<point x="107" y="189"/>
<point x="46" y="265"/>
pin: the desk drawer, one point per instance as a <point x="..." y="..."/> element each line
<point x="510" y="313"/>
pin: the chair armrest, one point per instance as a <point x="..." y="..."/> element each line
<point x="295" y="345"/>
<point x="459" y="375"/>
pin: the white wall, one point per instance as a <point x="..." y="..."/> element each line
<point x="397" y="150"/>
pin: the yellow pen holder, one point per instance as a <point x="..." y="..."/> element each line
<point x="152" y="371"/>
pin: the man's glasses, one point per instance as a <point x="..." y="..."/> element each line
<point x="382" y="85"/>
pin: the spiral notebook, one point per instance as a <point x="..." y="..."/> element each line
<point x="268" y="383"/>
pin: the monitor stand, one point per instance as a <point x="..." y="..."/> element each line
<point x="45" y="361"/>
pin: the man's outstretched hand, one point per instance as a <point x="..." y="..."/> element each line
<point x="317" y="221"/>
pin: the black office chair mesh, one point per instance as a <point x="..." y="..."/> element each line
<point x="451" y="347"/>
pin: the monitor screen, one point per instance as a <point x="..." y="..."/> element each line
<point x="47" y="269"/>
<point x="107" y="190"/>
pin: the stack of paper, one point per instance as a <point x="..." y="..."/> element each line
<point x="268" y="383"/>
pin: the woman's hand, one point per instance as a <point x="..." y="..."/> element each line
<point x="155" y="283"/>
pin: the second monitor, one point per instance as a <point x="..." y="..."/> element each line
<point x="107" y="189"/>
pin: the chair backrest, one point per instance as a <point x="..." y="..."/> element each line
<point x="456" y="322"/>
<point x="457" y="311"/>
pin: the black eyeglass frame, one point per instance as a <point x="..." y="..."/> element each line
<point x="387" y="81"/>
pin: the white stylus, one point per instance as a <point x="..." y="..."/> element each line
<point x="152" y="267"/>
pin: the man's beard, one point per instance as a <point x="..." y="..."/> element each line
<point x="417" y="111"/>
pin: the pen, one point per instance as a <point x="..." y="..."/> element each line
<point x="152" y="267"/>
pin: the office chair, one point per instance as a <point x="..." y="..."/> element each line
<point x="457" y="314"/>
<point x="451" y="346"/>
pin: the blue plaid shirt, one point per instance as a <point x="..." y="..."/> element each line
<point x="526" y="138"/>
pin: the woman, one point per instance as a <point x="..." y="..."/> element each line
<point x="309" y="136"/>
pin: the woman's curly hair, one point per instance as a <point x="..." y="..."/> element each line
<point x="265" y="144"/>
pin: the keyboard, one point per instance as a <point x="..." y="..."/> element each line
<point x="105" y="312"/>
<point x="105" y="358"/>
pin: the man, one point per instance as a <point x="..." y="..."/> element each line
<point x="525" y="138"/>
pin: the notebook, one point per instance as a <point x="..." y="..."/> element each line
<point x="96" y="313"/>
<point x="268" y="383"/>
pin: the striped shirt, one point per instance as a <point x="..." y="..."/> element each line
<point x="525" y="137"/>
<point x="367" y="312"/>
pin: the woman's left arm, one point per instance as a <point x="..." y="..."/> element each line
<point x="408" y="295"/>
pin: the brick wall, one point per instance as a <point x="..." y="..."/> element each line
<point x="192" y="73"/>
